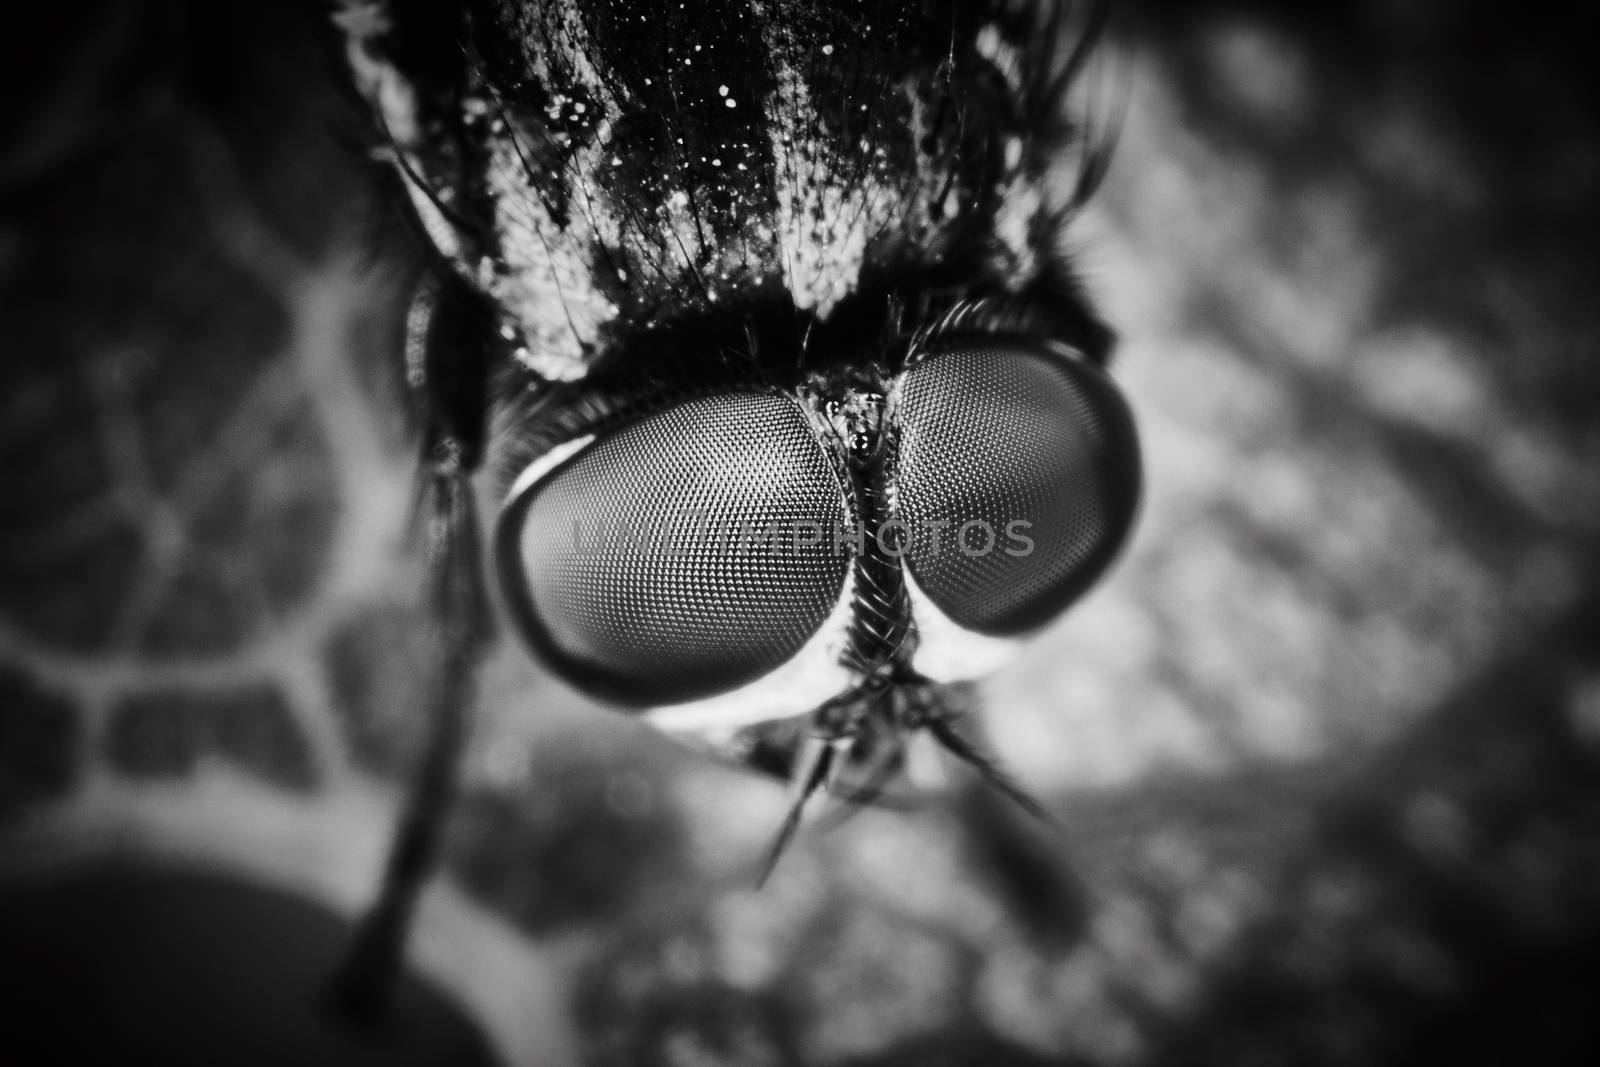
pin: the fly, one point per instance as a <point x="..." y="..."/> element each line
<point x="756" y="316"/>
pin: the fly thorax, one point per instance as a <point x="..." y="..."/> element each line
<point x="598" y="168"/>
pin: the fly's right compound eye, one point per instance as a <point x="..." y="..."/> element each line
<point x="1027" y="456"/>
<point x="682" y="556"/>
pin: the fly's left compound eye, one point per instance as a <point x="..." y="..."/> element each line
<point x="1026" y="460"/>
<point x="680" y="557"/>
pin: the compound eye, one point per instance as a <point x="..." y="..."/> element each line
<point x="1024" y="460"/>
<point x="684" y="555"/>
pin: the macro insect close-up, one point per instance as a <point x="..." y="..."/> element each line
<point x="779" y="532"/>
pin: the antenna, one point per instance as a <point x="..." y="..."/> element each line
<point x="811" y="771"/>
<point x="986" y="767"/>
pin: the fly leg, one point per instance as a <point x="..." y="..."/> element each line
<point x="448" y="358"/>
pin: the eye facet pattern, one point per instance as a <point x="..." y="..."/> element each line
<point x="1018" y="479"/>
<point x="684" y="555"/>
